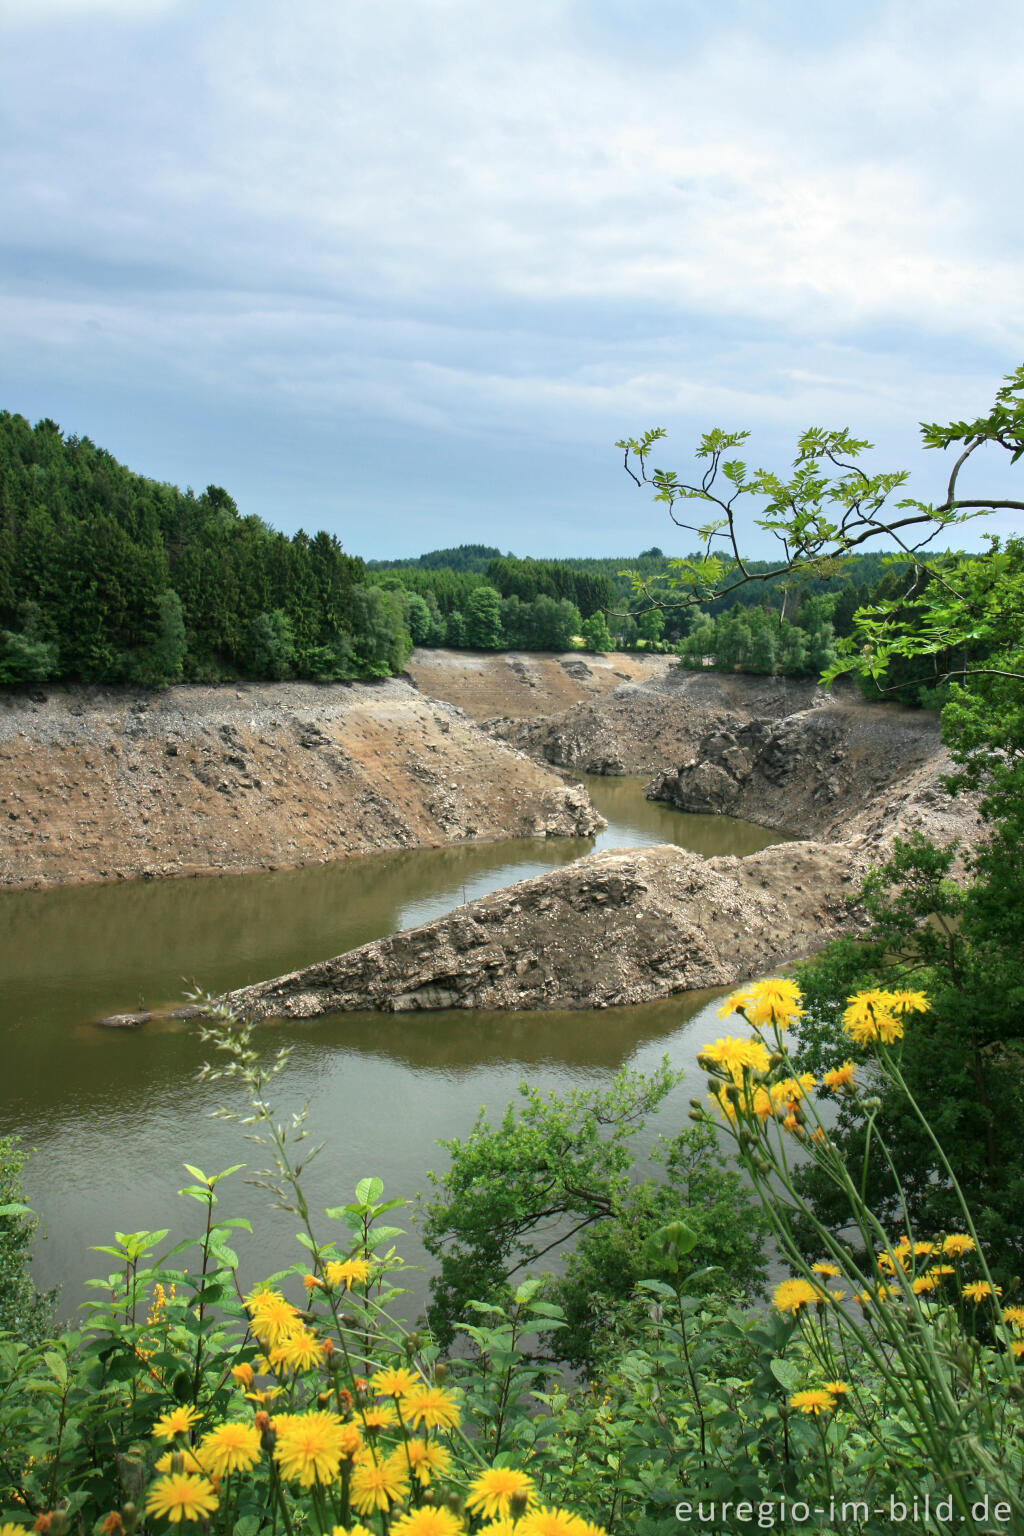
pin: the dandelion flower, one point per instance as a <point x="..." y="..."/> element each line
<point x="190" y="1455"/>
<point x="394" y="1382"/>
<point x="837" y="1388"/>
<point x="376" y="1485"/>
<point x="871" y="1016"/>
<point x="791" y="1295"/>
<point x="243" y="1374"/>
<point x="736" y="1054"/>
<point x="1014" y="1315"/>
<point x="350" y="1440"/>
<point x="814" y="1400"/>
<point x="273" y="1318"/>
<point x="549" y="1522"/>
<point x="908" y="1002"/>
<point x="432" y="1407"/>
<point x="351" y="1272"/>
<point x="181" y="1497"/>
<point x="1017" y="1348"/>
<point x="929" y="1281"/>
<point x="827" y="1271"/>
<point x="178" y="1422"/>
<point x="979" y="1290"/>
<point x="300" y="1351"/>
<point x="379" y="1416"/>
<point x="957" y="1244"/>
<point x="308" y="1447"/>
<point x="428" y="1522"/>
<point x="840" y="1077"/>
<point x="232" y="1447"/>
<point x="491" y="1492"/>
<point x="427" y="1459"/>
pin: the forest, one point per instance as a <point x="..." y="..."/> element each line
<point x="109" y="577"/>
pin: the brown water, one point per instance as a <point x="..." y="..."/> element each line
<point x="114" y="1114"/>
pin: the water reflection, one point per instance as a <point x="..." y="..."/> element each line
<point x="113" y="1114"/>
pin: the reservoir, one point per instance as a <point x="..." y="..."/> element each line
<point x="112" y="1115"/>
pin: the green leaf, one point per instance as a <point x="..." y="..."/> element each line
<point x="369" y="1190"/>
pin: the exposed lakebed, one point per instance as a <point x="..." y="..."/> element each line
<point x="113" y="1114"/>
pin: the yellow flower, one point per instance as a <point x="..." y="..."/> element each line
<point x="909" y="1002"/>
<point x="979" y="1290"/>
<point x="428" y="1522"/>
<point x="549" y="1522"/>
<point x="1014" y="1315"/>
<point x="426" y="1458"/>
<point x="872" y="1016"/>
<point x="432" y="1407"/>
<point x="375" y="1485"/>
<point x="837" y="1388"/>
<point x="308" y="1447"/>
<point x="491" y="1492"/>
<point x="352" y="1271"/>
<point x="815" y="1400"/>
<point x="379" y="1416"/>
<point x="181" y="1497"/>
<point x="243" y="1374"/>
<point x="1017" y="1348"/>
<point x="929" y="1281"/>
<point x="299" y="1351"/>
<point x="232" y="1447"/>
<point x="353" y="1530"/>
<point x="178" y="1422"/>
<point x="922" y="1249"/>
<point x="190" y="1455"/>
<point x="394" y="1382"/>
<point x="827" y="1271"/>
<point x="791" y="1295"/>
<point x="736" y="1053"/>
<point x="840" y="1077"/>
<point x="775" y="1001"/>
<point x="957" y="1244"/>
<point x="273" y="1318"/>
<point x="940" y="1270"/>
<point x="350" y="1439"/>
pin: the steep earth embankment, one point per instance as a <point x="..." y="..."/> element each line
<point x="783" y="752"/>
<point x="522" y="684"/>
<point x="614" y="928"/>
<point x="100" y="786"/>
<point x="625" y="926"/>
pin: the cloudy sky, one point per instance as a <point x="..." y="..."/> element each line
<point x="406" y="271"/>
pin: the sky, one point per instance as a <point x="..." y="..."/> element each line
<point x="407" y="272"/>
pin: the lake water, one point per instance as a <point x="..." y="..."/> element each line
<point x="113" y="1115"/>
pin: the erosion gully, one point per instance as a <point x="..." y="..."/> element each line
<point x="112" y="1115"/>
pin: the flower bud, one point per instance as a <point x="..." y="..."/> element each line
<point x="177" y="1463"/>
<point x="440" y="1373"/>
<point x="129" y="1517"/>
<point x="517" y="1505"/>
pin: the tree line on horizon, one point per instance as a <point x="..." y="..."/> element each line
<point x="110" y="577"/>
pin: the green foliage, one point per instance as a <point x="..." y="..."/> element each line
<point x="109" y="577"/>
<point x="595" y="632"/>
<point x="561" y="1166"/>
<point x="483" y="620"/>
<point x="24" y="1311"/>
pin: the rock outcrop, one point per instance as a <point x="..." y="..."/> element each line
<point x="101" y="785"/>
<point x="849" y="771"/>
<point x="615" y="928"/>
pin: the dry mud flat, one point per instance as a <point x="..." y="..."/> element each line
<point x="100" y="786"/>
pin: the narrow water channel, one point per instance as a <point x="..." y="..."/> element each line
<point x="112" y="1115"/>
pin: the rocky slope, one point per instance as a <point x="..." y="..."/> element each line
<point x="614" y="928"/>
<point x="523" y="684"/>
<point x="98" y="786"/>
<point x="644" y="726"/>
